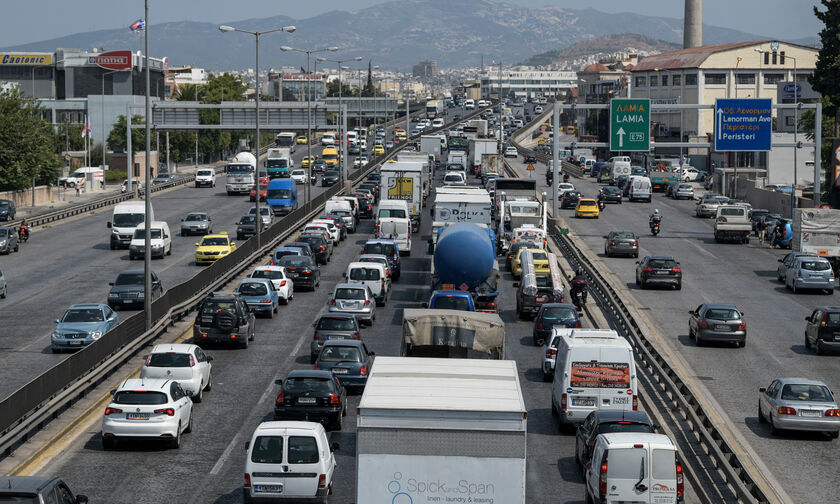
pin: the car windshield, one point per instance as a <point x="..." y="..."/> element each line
<point x="721" y="200"/>
<point x="169" y="359"/>
<point x="279" y="194"/>
<point x="253" y="289"/>
<point x="362" y="274"/>
<point x="806" y="392"/>
<point x="340" y="354"/>
<point x="733" y="211"/>
<point x="331" y="173"/>
<point x="139" y="397"/>
<point x="5" y="204"/>
<point x="451" y="302"/>
<point x="202" y="173"/>
<point x="396" y="213"/>
<point x="294" y="261"/>
<point x="300" y="173"/>
<point x="684" y="186"/>
<point x="624" y="234"/>
<point x="832" y="319"/>
<point x="623" y="426"/>
<point x="722" y="314"/>
<point x="214" y="242"/>
<point x="195" y="217"/>
<point x="83" y="315"/>
<point x="269" y="273"/>
<point x="141" y="233"/>
<point x="349" y="293"/>
<point x="248" y="219"/>
<point x="307" y="384"/>
<point x="279" y="254"/>
<point x="385" y="249"/>
<point x="336" y="324"/>
<point x="585" y="203"/>
<point x="267" y="450"/>
<point x="122" y="220"/>
<point x="815" y="265"/>
<point x="561" y="314"/>
<point x="662" y="263"/>
<point x="129" y="279"/>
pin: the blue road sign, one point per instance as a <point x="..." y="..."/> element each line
<point x="743" y="124"/>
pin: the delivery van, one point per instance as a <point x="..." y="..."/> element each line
<point x="639" y="188"/>
<point x="282" y="195"/>
<point x="594" y="370"/>
<point x="392" y="208"/>
<point x="161" y="240"/>
<point x="397" y="229"/>
<point x="127" y="215"/>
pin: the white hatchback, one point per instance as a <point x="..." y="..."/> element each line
<point x="299" y="176"/>
<point x="147" y="409"/>
<point x="283" y="284"/>
<point x="563" y="187"/>
<point x="184" y="363"/>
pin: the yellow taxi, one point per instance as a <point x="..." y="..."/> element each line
<point x="587" y="207"/>
<point x="540" y="257"/>
<point x="542" y="141"/>
<point x="212" y="247"/>
<point x="301" y="139"/>
<point x="400" y="134"/>
<point x="330" y="156"/>
<point x="378" y="150"/>
<point x="306" y="161"/>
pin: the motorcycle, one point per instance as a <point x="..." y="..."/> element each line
<point x="578" y="294"/>
<point x="601" y="203"/>
<point x="23" y="233"/>
<point x="654" y="226"/>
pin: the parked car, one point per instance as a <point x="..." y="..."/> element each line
<point x="621" y="243"/>
<point x="717" y="322"/>
<point x="355" y="299"/>
<point x="709" y="203"/>
<point x="129" y="289"/>
<point x="799" y="404"/>
<point x="223" y="317"/>
<point x="148" y="410"/>
<point x="38" y="489"/>
<point x="810" y="273"/>
<point x="260" y="296"/>
<point x="81" y="325"/>
<point x="605" y="422"/>
<point x="311" y="395"/>
<point x="349" y="360"/>
<point x="184" y="363"/>
<point x="653" y="270"/>
<point x="822" y="329"/>
<point x="282" y="283"/>
<point x="551" y="315"/>
<point x="787" y="262"/>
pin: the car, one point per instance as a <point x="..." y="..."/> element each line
<point x="38" y="489"/>
<point x="213" y="247"/>
<point x="810" y="273"/>
<point x="511" y="152"/>
<point x="147" y="409"/>
<point x="136" y="186"/>
<point x="717" y="322"/>
<point x="302" y="270"/>
<point x="683" y="191"/>
<point x="380" y="259"/>
<point x="301" y="139"/>
<point x="307" y="160"/>
<point x="205" y="176"/>
<point x="259" y="295"/>
<point x="299" y="176"/>
<point x="551" y="315"/>
<point x="322" y="247"/>
<point x="570" y="199"/>
<point x="349" y="360"/>
<point x="529" y="158"/>
<point x="337" y="222"/>
<point x="224" y="317"/>
<point x="4" y="288"/>
<point x="513" y="252"/>
<point x="128" y="290"/>
<point x="438" y="123"/>
<point x="281" y="252"/>
<point x="621" y="243"/>
<point x="319" y="166"/>
<point x="538" y="109"/>
<point x="604" y="422"/>
<point x="454" y="179"/>
<point x="163" y="178"/>
<point x="246" y="227"/>
<point x="252" y="195"/>
<point x="283" y="284"/>
<point x="799" y="404"/>
<point x="378" y="150"/>
<point x="365" y="204"/>
<point x="708" y="204"/>
<point x="822" y="329"/>
<point x="81" y="325"/>
<point x="329" y="178"/>
<point x="182" y="362"/>
<point x="356" y="299"/>
<point x="540" y="260"/>
<point x="278" y="449"/>
<point x="332" y="326"/>
<point x="787" y="262"/>
<point x="451" y="300"/>
<point x="353" y="148"/>
<point x="688" y="173"/>
<point x="8" y="240"/>
<point x="562" y="187"/>
<point x="586" y="207"/>
<point x="196" y="223"/>
<point x="7" y="210"/>
<point x="658" y="270"/>
<point x="266" y="213"/>
<point x="609" y="194"/>
<point x="388" y="144"/>
<point x="311" y="395"/>
<point x="390" y="249"/>
<point x="329" y="226"/>
<point x="360" y="161"/>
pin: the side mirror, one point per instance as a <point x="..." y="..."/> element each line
<point x="762" y="389"/>
<point x="111" y="284"/>
<point x="516" y="285"/>
<point x="113" y="391"/>
<point x="807" y="319"/>
<point x="372" y="353"/>
<point x="278" y="382"/>
<point x="182" y="220"/>
<point x="656" y="426"/>
<point x="691" y="312"/>
<point x="210" y="358"/>
<point x="56" y="321"/>
<point x="197" y="246"/>
<point x="108" y="225"/>
<point x="247" y="445"/>
<point x="335" y="447"/>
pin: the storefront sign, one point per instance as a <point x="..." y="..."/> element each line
<point x="25" y="59"/>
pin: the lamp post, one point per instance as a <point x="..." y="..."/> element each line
<point x="128" y="129"/>
<point x="147" y="232"/>
<point x="256" y="34"/>
<point x="308" y="53"/>
<point x="340" y="110"/>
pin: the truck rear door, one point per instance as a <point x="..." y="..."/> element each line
<point x="628" y="475"/>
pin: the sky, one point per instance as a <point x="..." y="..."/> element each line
<point x="36" y="20"/>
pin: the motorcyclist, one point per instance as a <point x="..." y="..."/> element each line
<point x="655" y="217"/>
<point x="578" y="279"/>
<point x="23" y="230"/>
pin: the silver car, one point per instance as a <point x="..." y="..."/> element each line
<point x="810" y="273"/>
<point x="621" y="243"/>
<point x="717" y="322"/>
<point x="266" y="212"/>
<point x="8" y="240"/>
<point x="709" y="203"/>
<point x="683" y="191"/>
<point x="355" y="299"/>
<point x="786" y="262"/>
<point x="799" y="404"/>
<point x="196" y="223"/>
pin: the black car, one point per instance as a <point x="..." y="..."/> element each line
<point x="551" y="315"/>
<point x="313" y="396"/>
<point x="38" y="489"/>
<point x="302" y="270"/>
<point x="127" y="291"/>
<point x="373" y="187"/>
<point x="247" y="227"/>
<point x="224" y="317"/>
<point x="374" y="177"/>
<point x="321" y="247"/>
<point x="658" y="270"/>
<point x="606" y="422"/>
<point x="331" y="326"/>
<point x="330" y="177"/>
<point x="365" y="205"/>
<point x="609" y="194"/>
<point x="7" y="210"/>
<point x="755" y="215"/>
<point x="306" y="249"/>
<point x="570" y="199"/>
<point x="822" y="329"/>
<point x="621" y="181"/>
<point x="319" y="166"/>
<point x="163" y="178"/>
<point x="530" y="158"/>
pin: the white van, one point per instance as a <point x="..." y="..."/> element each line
<point x="469" y="104"/>
<point x="634" y="467"/>
<point x="594" y="370"/>
<point x="392" y="208"/>
<point x="352" y="137"/>
<point x="328" y="139"/>
<point x="341" y="207"/>
<point x="397" y="229"/>
<point x="127" y="215"/>
<point x="371" y="274"/>
<point x="300" y="449"/>
<point x="619" y="165"/>
<point x="161" y="240"/>
<point x="639" y="188"/>
<point x="205" y="176"/>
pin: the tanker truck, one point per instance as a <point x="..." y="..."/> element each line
<point x="465" y="259"/>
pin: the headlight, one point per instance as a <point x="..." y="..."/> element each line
<point x="2" y="242"/>
<point x="113" y="295"/>
<point x="114" y="231"/>
<point x="55" y="335"/>
<point x="95" y="334"/>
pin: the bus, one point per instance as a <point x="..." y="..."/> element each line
<point x="287" y="140"/>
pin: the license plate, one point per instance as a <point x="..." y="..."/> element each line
<point x="268" y="488"/>
<point x="583" y="401"/>
<point x="662" y="272"/>
<point x="75" y="343"/>
<point x="136" y="416"/>
<point x="722" y="327"/>
<point x="306" y="400"/>
<point x="337" y="336"/>
<point x="206" y="320"/>
<point x="339" y="370"/>
<point x="810" y="413"/>
<point x="621" y="400"/>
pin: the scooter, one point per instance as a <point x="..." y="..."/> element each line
<point x="23" y="234"/>
<point x="654" y="227"/>
<point x="578" y="294"/>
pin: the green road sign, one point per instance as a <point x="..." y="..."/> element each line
<point x="630" y="124"/>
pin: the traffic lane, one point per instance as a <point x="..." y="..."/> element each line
<point x="726" y="272"/>
<point x="209" y="465"/>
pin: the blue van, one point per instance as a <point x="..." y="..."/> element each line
<point x="282" y="195"/>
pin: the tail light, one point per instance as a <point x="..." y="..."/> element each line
<point x="271" y="262"/>
<point x="635" y="403"/>
<point x="282" y="283"/>
<point x="647" y="269"/>
<point x="612" y="243"/>
<point x="383" y="284"/>
<point x="243" y="322"/>
<point x="263" y="301"/>
<point x="306" y="271"/>
<point x="676" y="269"/>
<point x="832" y="413"/>
<point x="346" y="278"/>
<point x="149" y="357"/>
<point x="635" y="243"/>
<point x="332" y="302"/>
<point x="317" y="366"/>
<point x="247" y="480"/>
<point x="166" y="411"/>
<point x="363" y="371"/>
<point x="602" y="481"/>
<point x="702" y="324"/>
<point x="367" y="302"/>
<point x="824" y="319"/>
<point x="786" y="410"/>
<point x="323" y="248"/>
<point x="577" y="324"/>
<point x="192" y="361"/>
<point x="742" y="326"/>
<point x="680" y="485"/>
<point x="550" y="353"/>
<point x="564" y="401"/>
<point x="355" y="334"/>
<point x="540" y="325"/>
<point x="334" y="399"/>
<point x="322" y="481"/>
<point x="799" y="274"/>
<point x="108" y="411"/>
<point x="315" y="335"/>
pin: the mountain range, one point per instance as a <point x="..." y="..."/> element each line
<point x="622" y="42"/>
<point x="394" y="34"/>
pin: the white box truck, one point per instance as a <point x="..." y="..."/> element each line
<point x="441" y="430"/>
<point x="472" y="206"/>
<point x="404" y="181"/>
<point x="817" y="231"/>
<point x="478" y="148"/>
<point x="431" y="144"/>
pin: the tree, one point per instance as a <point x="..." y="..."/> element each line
<point x="117" y="139"/>
<point x="27" y="143"/>
<point x="332" y="89"/>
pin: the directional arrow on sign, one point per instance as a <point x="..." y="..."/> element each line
<point x="620" y="134"/>
<point x="720" y="123"/>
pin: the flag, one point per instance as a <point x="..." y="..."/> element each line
<point x="303" y="70"/>
<point x="138" y="25"/>
<point x="86" y="128"/>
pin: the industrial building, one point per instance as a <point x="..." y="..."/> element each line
<point x="526" y="84"/>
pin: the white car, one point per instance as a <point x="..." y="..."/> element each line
<point x="147" y="409"/>
<point x="320" y="227"/>
<point x="283" y="284"/>
<point x="187" y="364"/>
<point x="511" y="152"/>
<point x="538" y="109"/>
<point x="454" y="178"/>
<point x="205" y="176"/>
<point x="335" y="232"/>
<point x="688" y="173"/>
<point x="438" y="123"/>
<point x="563" y="187"/>
<point x="299" y="176"/>
<point x="328" y="139"/>
<point x="360" y="161"/>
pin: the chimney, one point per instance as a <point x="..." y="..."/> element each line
<point x="693" y="24"/>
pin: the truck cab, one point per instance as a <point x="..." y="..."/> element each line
<point x="451" y="300"/>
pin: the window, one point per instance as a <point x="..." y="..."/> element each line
<point x="715" y="79"/>
<point x="664" y="80"/>
<point x="654" y="80"/>
<point x="640" y="82"/>
<point x="268" y="450"/>
<point x="691" y="80"/>
<point x="775" y="56"/>
<point x="676" y="80"/>
<point x="766" y="58"/>
<point x="303" y="450"/>
<point x="626" y="463"/>
<point x="805" y="392"/>
<point x="742" y="78"/>
<point x="781" y="58"/>
<point x="773" y="78"/>
<point x="664" y="465"/>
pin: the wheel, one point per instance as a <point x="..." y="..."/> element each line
<point x="773" y="429"/>
<point x="807" y="342"/>
<point x="169" y="252"/>
<point x="678" y="286"/>
<point x="638" y="282"/>
<point x="833" y="435"/>
<point x="113" y="247"/>
<point x="190" y="424"/>
<point x="587" y="499"/>
<point x="198" y="398"/>
<point x="818" y="348"/>
<point x="3" y="294"/>
<point x="698" y="340"/>
<point x="830" y="291"/>
<point x="636" y="255"/>
<point x="554" y="411"/>
<point x="546" y="377"/>
<point x="793" y="287"/>
<point x="17" y="247"/>
<point x="271" y="313"/>
<point x="108" y="443"/>
<point x="690" y="332"/>
<point x="742" y="344"/>
<point x="312" y="358"/>
<point x="338" y="422"/>
<point x="175" y="442"/>
<point x="761" y="418"/>
<point x="209" y="385"/>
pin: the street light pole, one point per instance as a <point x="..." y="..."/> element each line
<point x="795" y="140"/>
<point x="147" y="242"/>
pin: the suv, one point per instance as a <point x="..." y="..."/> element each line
<point x="38" y="489"/>
<point x="224" y="317"/>
<point x="658" y="270"/>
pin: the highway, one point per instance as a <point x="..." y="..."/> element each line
<point x="746" y="276"/>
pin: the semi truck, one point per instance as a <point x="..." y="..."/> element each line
<point x="431" y="144"/>
<point x="441" y="430"/>
<point x="478" y="148"/>
<point x="240" y="174"/>
<point x="465" y="259"/>
<point x="278" y="162"/>
<point x="428" y="169"/>
<point x="403" y="180"/>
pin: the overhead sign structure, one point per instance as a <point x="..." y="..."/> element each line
<point x="630" y="124"/>
<point x="113" y="60"/>
<point x="743" y="124"/>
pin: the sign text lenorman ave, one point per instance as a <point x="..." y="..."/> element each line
<point x="629" y="124"/>
<point x="743" y="124"/>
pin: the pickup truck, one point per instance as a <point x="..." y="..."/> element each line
<point x="732" y="222"/>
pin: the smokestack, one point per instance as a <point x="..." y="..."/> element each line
<point x="693" y="24"/>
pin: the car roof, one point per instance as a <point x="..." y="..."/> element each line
<point x="173" y="347"/>
<point x="85" y="306"/>
<point x="608" y="416"/>
<point x="661" y="257"/>
<point x="343" y="342"/>
<point x="132" y="271"/>
<point x="269" y="267"/>
<point x="281" y="426"/>
<point x="559" y="305"/>
<point x="828" y="308"/>
<point x="800" y="381"/>
<point x="458" y="293"/>
<point x="720" y="305"/>
<point x="336" y="315"/>
<point x="309" y="373"/>
<point x="223" y="234"/>
<point x="630" y="439"/>
<point x="252" y="280"/>
<point x="366" y="264"/>
<point x="144" y="384"/>
<point x="382" y="240"/>
<point x="351" y="286"/>
<point x="33" y="484"/>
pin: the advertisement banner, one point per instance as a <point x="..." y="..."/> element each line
<point x="25" y="59"/>
<point x="419" y="479"/>
<point x="402" y="188"/>
<point x="600" y="375"/>
<point x="113" y="60"/>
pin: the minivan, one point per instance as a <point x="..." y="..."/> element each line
<point x="289" y="460"/>
<point x="161" y="240"/>
<point x="392" y="209"/>
<point x="397" y="229"/>
<point x="594" y="370"/>
<point x="328" y="139"/>
<point x="639" y="188"/>
<point x="282" y="195"/>
<point x="371" y="274"/>
<point x="637" y="467"/>
<point x="127" y="215"/>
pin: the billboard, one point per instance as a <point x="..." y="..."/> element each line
<point x="600" y="375"/>
<point x="28" y="59"/>
<point x="113" y="60"/>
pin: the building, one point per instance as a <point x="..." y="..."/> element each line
<point x="178" y="76"/>
<point x="291" y="87"/>
<point x="598" y="83"/>
<point x="526" y="84"/>
<point x="426" y="68"/>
